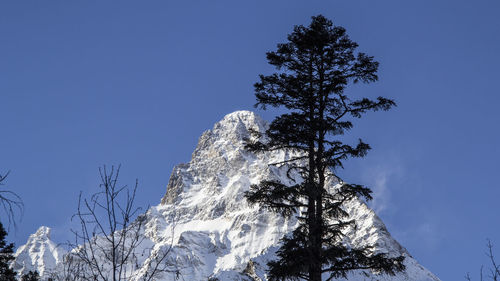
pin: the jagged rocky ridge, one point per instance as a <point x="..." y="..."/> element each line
<point x="213" y="232"/>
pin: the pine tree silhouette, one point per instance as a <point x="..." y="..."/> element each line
<point x="6" y="256"/>
<point x="314" y="67"/>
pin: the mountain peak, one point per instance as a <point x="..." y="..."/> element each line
<point x="42" y="232"/>
<point x="236" y="126"/>
<point x="241" y="114"/>
<point x="39" y="253"/>
<point x="218" y="149"/>
<point x="249" y="118"/>
<point x="206" y="196"/>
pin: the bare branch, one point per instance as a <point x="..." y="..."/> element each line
<point x="10" y="203"/>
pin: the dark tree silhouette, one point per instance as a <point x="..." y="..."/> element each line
<point x="6" y="257"/>
<point x="31" y="276"/>
<point x="314" y="67"/>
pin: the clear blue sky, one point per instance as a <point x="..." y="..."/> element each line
<point x="86" y="83"/>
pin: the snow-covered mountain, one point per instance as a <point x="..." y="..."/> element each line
<point x="38" y="253"/>
<point x="212" y="230"/>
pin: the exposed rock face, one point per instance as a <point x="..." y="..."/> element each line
<point x="213" y="231"/>
<point x="174" y="187"/>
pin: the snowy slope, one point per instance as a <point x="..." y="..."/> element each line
<point x="39" y="253"/>
<point x="215" y="233"/>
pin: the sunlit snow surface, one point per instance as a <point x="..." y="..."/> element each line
<point x="213" y="231"/>
<point x="38" y="253"/>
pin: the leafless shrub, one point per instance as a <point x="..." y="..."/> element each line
<point x="108" y="241"/>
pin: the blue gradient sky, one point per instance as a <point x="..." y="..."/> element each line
<point x="86" y="83"/>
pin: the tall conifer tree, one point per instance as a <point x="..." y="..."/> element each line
<point x="313" y="70"/>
